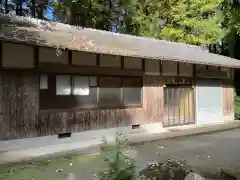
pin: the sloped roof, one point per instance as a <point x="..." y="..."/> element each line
<point x="58" y="35"/>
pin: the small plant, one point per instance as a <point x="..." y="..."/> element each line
<point x="119" y="165"/>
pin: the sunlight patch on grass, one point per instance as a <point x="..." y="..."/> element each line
<point x="86" y="157"/>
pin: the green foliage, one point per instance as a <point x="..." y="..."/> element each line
<point x="119" y="165"/>
<point x="83" y="13"/>
<point x="188" y="21"/>
<point x="230" y="16"/>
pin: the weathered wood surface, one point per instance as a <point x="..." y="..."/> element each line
<point x="19" y="105"/>
<point x="21" y="117"/>
<point x="53" y="122"/>
<point x="228" y="99"/>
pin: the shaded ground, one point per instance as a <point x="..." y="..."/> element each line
<point x="206" y="153"/>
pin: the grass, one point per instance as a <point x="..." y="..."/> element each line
<point x="82" y="166"/>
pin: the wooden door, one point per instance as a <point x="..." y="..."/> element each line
<point x="178" y="105"/>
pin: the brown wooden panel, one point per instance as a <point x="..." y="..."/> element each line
<point x="132" y="63"/>
<point x="152" y="111"/>
<point x="152" y="67"/>
<point x="51" y="55"/>
<point x="22" y="118"/>
<point x="110" y="61"/>
<point x="84" y="58"/>
<point x="185" y="69"/>
<point x="132" y="82"/>
<point x="30" y="105"/>
<point x="228" y="99"/>
<point x="12" y="90"/>
<point x="153" y="98"/>
<point x="169" y="68"/>
<point x="19" y="105"/>
<point x="110" y="81"/>
<point x="17" y="56"/>
<point x="178" y="105"/>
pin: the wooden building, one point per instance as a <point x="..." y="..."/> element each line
<point x="58" y="79"/>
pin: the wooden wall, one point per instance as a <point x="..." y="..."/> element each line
<point x="19" y="91"/>
<point x="19" y="105"/>
<point x="20" y="115"/>
<point x="228" y="99"/>
<point x="59" y="122"/>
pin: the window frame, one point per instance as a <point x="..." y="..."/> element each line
<point x="97" y="107"/>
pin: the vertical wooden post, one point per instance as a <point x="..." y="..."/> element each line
<point x="98" y="60"/>
<point x="178" y="69"/>
<point x="1" y="53"/>
<point x="36" y="56"/>
<point x="160" y="67"/>
<point x="122" y="62"/>
<point x="69" y="57"/>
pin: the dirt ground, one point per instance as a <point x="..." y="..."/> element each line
<point x="204" y="152"/>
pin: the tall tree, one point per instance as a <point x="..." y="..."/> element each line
<point x="86" y="13"/>
<point x="188" y="21"/>
<point x="230" y="17"/>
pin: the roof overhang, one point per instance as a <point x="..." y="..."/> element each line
<point x="58" y="35"/>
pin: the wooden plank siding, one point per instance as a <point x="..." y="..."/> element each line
<point x="21" y="117"/>
<point x="19" y="105"/>
<point x="51" y="122"/>
<point x="228" y="98"/>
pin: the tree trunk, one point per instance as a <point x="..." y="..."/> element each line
<point x="40" y="11"/>
<point x="20" y="8"/>
<point x="33" y="9"/>
<point x="6" y="6"/>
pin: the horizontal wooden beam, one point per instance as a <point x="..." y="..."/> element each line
<point x="86" y="70"/>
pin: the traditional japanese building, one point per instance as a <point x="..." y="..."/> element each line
<point x="57" y="79"/>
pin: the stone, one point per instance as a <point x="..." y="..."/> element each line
<point x="172" y="169"/>
<point x="194" y="176"/>
<point x="59" y="170"/>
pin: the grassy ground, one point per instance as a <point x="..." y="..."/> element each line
<point x="207" y="153"/>
<point x="61" y="168"/>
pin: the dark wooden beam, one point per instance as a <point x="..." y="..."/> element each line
<point x="122" y="62"/>
<point x="36" y="56"/>
<point x="1" y="53"/>
<point x="98" y="60"/>
<point x="178" y="69"/>
<point x="194" y="70"/>
<point x="143" y="64"/>
<point x="85" y="70"/>
<point x="160" y="67"/>
<point x="69" y="57"/>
